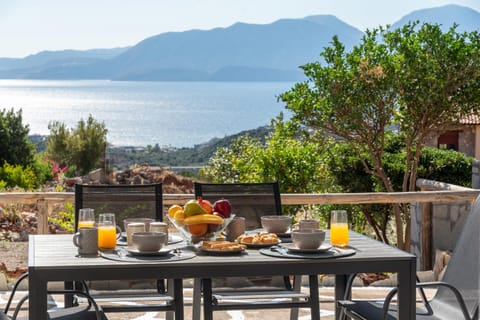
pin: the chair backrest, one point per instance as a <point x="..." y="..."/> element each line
<point x="249" y="200"/>
<point x="463" y="268"/>
<point x="126" y="201"/>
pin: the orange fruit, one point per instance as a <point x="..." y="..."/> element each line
<point x="179" y="216"/>
<point x="205" y="204"/>
<point x="173" y="209"/>
<point x="198" y="229"/>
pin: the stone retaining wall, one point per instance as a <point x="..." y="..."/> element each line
<point x="447" y="222"/>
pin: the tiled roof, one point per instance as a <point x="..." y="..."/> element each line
<point x="470" y="119"/>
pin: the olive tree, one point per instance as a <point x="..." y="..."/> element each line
<point x="414" y="81"/>
<point x="82" y="147"/>
<point x="15" y="149"/>
<point x="294" y="162"/>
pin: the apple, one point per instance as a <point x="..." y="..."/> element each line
<point x="223" y="207"/>
<point x="218" y="214"/>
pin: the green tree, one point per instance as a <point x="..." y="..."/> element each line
<point x="82" y="147"/>
<point x="294" y="162"/>
<point x="414" y="80"/>
<point x="15" y="149"/>
<point x="349" y="176"/>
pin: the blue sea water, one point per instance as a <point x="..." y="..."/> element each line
<point x="179" y="114"/>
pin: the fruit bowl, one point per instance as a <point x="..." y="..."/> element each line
<point x="196" y="233"/>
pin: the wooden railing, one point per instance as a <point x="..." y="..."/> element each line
<point x="46" y="200"/>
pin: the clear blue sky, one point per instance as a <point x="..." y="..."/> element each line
<point x="30" y="26"/>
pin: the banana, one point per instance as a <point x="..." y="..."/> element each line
<point x="203" y="218"/>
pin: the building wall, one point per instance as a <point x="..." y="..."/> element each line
<point x="468" y="141"/>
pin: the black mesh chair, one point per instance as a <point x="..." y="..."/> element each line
<point x="88" y="311"/>
<point x="249" y="200"/>
<point x="127" y="201"/>
<point x="457" y="296"/>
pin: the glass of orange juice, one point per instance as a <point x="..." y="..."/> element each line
<point x="86" y="218"/>
<point x="339" y="228"/>
<point x="107" y="231"/>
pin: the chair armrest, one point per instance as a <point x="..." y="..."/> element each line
<point x="454" y="290"/>
<point x="433" y="284"/>
<point x="14" y="289"/>
<point x="348" y="286"/>
<point x="91" y="301"/>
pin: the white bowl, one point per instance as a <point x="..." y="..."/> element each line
<point x="308" y="239"/>
<point x="276" y="224"/>
<point x="148" y="241"/>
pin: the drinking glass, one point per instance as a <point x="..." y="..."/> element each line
<point x="339" y="228"/>
<point x="107" y="231"/>
<point x="86" y="218"/>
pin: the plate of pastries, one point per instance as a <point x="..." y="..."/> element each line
<point x="258" y="240"/>
<point x="222" y="247"/>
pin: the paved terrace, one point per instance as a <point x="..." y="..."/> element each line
<point x="326" y="291"/>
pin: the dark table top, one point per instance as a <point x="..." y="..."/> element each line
<point x="55" y="258"/>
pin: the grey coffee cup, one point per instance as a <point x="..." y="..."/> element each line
<point x="86" y="239"/>
<point x="235" y="228"/>
<point x="158" y="226"/>
<point x="308" y="224"/>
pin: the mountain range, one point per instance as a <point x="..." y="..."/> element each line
<point x="241" y="52"/>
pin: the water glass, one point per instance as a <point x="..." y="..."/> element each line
<point x="107" y="231"/>
<point x="339" y="228"/>
<point x="86" y="218"/>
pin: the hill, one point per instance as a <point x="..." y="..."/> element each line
<point x="120" y="157"/>
<point x="240" y="52"/>
<point x="467" y="18"/>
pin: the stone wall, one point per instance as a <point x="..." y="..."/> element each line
<point x="447" y="223"/>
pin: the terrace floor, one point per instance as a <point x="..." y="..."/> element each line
<point x="326" y="306"/>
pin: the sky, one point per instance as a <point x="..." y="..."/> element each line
<point x="30" y="26"/>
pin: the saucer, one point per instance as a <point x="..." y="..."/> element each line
<point x="162" y="252"/>
<point x="292" y="248"/>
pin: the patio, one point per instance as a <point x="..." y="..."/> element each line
<point x="326" y="306"/>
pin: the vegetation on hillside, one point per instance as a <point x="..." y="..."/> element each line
<point x="199" y="155"/>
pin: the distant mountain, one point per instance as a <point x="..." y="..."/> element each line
<point x="241" y="52"/>
<point x="467" y="18"/>
<point x="51" y="58"/>
<point x="283" y="45"/>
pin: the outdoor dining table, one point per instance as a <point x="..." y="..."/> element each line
<point x="54" y="258"/>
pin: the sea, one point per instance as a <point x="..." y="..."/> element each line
<point x="170" y="114"/>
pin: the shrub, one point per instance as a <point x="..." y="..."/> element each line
<point x="14" y="145"/>
<point x="64" y="220"/>
<point x="17" y="176"/>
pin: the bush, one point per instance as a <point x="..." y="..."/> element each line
<point x="15" y="147"/>
<point x="17" y="176"/>
<point x="82" y="148"/>
<point x="64" y="220"/>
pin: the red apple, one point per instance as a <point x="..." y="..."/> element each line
<point x="218" y="214"/>
<point x="223" y="207"/>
